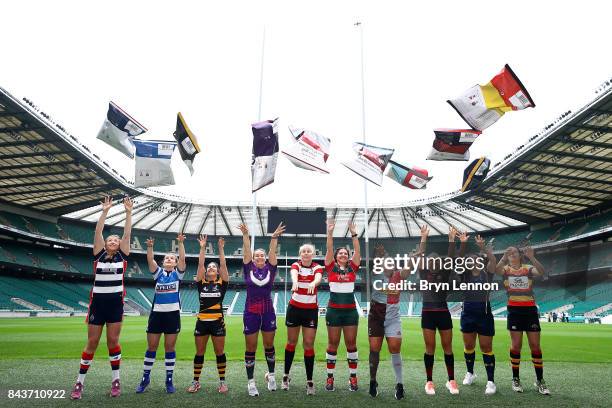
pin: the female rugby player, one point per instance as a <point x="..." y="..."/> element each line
<point x="341" y="316"/>
<point x="259" y="314"/>
<point x="476" y="316"/>
<point x="165" y="314"/>
<point x="523" y="315"/>
<point x="303" y="312"/>
<point x="435" y="314"/>
<point x="212" y="285"/>
<point x="106" y="298"/>
<point x="384" y="322"/>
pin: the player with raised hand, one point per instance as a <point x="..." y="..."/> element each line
<point x="342" y="316"/>
<point x="476" y="316"/>
<point x="259" y="315"/>
<point x="106" y="299"/>
<point x="165" y="314"/>
<point x="303" y="312"/>
<point x="384" y="322"/>
<point x="523" y="313"/>
<point x="212" y="280"/>
<point x="435" y="315"/>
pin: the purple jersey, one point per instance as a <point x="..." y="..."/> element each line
<point x="259" y="287"/>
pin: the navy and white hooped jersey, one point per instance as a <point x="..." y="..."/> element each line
<point x="108" y="274"/>
<point x="167" y="298"/>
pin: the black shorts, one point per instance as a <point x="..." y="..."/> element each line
<point x="215" y="328"/>
<point x="164" y="322"/>
<point x="433" y="320"/>
<point x="104" y="310"/>
<point x="523" y="318"/>
<point x="478" y="322"/>
<point x="297" y="316"/>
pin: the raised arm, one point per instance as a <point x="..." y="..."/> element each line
<point x="539" y="268"/>
<point x="463" y="239"/>
<point x="127" y="229"/>
<point x="329" y="254"/>
<point x="356" y="248"/>
<point x="423" y="246"/>
<point x="491" y="265"/>
<point x="201" y="258"/>
<point x="247" y="256"/>
<point x="274" y="243"/>
<point x="452" y="234"/>
<point x="98" y="237"/>
<point x="222" y="263"/>
<point x="499" y="268"/>
<point x="182" y="261"/>
<point x="150" y="259"/>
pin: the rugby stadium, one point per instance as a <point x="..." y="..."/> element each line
<point x="553" y="193"/>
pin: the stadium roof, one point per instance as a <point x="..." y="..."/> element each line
<point x="43" y="168"/>
<point x="564" y="170"/>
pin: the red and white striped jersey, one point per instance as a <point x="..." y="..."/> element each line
<point x="306" y="275"/>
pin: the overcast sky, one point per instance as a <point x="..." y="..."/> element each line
<point x="203" y="59"/>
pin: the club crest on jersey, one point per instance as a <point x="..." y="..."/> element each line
<point x="260" y="282"/>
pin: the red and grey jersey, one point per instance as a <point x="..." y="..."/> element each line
<point x="387" y="296"/>
<point x="108" y="274"/>
<point x="341" y="285"/>
<point x="306" y="275"/>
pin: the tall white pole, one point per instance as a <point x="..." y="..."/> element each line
<point x="365" y="182"/>
<point x="286" y="280"/>
<point x="261" y="75"/>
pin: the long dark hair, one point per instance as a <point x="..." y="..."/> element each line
<point x="338" y="250"/>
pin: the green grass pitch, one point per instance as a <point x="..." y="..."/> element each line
<point x="43" y="353"/>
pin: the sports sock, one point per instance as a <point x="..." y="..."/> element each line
<point x="352" y="357"/>
<point x="114" y="356"/>
<point x="289" y="354"/>
<point x="489" y="362"/>
<point x="449" y="361"/>
<point x="221" y="365"/>
<point x="396" y="360"/>
<point x="86" y="360"/>
<point x="374" y="359"/>
<point x="170" y="361"/>
<point x="249" y="363"/>
<point x="149" y="359"/>
<point x="331" y="356"/>
<point x="470" y="356"/>
<point x="428" y="359"/>
<point x="309" y="357"/>
<point x="198" y="363"/>
<point x="538" y="364"/>
<point x="515" y="362"/>
<point x="270" y="359"/>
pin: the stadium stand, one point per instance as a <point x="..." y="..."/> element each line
<point x="552" y="193"/>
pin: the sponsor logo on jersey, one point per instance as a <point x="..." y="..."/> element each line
<point x="171" y="287"/>
<point x="210" y="295"/>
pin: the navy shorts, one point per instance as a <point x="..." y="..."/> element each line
<point x="104" y="310"/>
<point x="164" y="322"/>
<point x="475" y="322"/>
